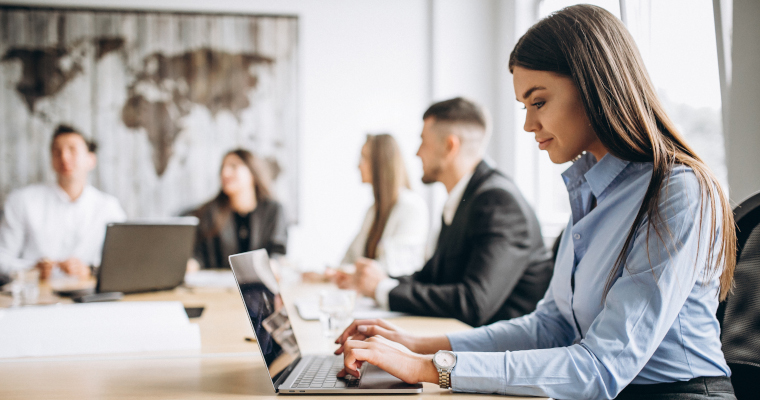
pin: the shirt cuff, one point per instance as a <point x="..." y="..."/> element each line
<point x="383" y="290"/>
<point x="479" y="373"/>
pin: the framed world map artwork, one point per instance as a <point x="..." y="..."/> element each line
<point x="165" y="95"/>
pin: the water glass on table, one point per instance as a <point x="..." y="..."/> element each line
<point x="25" y="287"/>
<point x="335" y="311"/>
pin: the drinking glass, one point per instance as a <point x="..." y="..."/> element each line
<point x="335" y="311"/>
<point x="25" y="288"/>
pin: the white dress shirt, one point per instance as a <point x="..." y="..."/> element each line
<point x="41" y="221"/>
<point x="385" y="286"/>
<point x="401" y="249"/>
<point x="455" y="197"/>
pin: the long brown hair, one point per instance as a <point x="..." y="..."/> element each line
<point x="220" y="205"/>
<point x="594" y="49"/>
<point x="388" y="176"/>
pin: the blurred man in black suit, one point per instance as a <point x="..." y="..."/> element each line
<point x="490" y="262"/>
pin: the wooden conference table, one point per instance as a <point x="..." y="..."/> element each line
<point x="227" y="366"/>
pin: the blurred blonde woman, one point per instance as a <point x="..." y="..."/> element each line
<point x="395" y="228"/>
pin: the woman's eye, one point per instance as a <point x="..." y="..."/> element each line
<point x="537" y="104"/>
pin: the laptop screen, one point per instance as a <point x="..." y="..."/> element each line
<point x="267" y="313"/>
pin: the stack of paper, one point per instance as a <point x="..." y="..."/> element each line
<point x="97" y="328"/>
<point x="210" y="278"/>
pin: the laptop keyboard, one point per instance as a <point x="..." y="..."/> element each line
<point x="321" y="372"/>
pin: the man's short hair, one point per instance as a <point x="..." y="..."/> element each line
<point x="457" y="110"/>
<point x="467" y="120"/>
<point x="63" y="129"/>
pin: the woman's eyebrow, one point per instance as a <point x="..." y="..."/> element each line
<point x="531" y="90"/>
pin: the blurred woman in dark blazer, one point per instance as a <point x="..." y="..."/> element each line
<point x="244" y="215"/>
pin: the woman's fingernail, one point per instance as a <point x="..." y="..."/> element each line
<point x="362" y="328"/>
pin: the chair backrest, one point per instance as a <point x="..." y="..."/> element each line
<point x="739" y="315"/>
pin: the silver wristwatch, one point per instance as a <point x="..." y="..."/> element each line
<point x="444" y="362"/>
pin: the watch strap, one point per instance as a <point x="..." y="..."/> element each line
<point x="444" y="379"/>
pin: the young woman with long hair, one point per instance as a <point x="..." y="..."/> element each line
<point x="243" y="216"/>
<point x="647" y="255"/>
<point x="395" y="227"/>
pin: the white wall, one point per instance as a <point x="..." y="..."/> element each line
<point x="471" y="43"/>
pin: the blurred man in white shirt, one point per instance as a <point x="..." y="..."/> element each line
<point x="61" y="225"/>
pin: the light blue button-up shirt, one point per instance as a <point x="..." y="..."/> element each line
<point x="657" y="323"/>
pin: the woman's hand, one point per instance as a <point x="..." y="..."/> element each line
<point x="193" y="266"/>
<point x="344" y="280"/>
<point x="365" y="328"/>
<point x="389" y="356"/>
<point x="369" y="274"/>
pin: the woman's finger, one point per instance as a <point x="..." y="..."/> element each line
<point x="351" y="330"/>
<point x="350" y="354"/>
<point x="354" y="362"/>
<point x="355" y="337"/>
<point x="373" y="330"/>
<point x="348" y="332"/>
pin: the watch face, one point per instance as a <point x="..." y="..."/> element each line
<point x="445" y="359"/>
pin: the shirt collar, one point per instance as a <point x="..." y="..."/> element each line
<point x="64" y="197"/>
<point x="599" y="175"/>
<point x="455" y="197"/>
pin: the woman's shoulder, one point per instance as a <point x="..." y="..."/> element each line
<point x="410" y="207"/>
<point x="206" y="213"/>
<point x="407" y="198"/>
<point x="681" y="194"/>
<point x="270" y="205"/>
<point x="681" y="180"/>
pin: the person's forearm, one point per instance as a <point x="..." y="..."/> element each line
<point x="429" y="344"/>
<point x="427" y="371"/>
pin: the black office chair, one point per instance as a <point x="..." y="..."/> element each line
<point x="4" y="278"/>
<point x="739" y="315"/>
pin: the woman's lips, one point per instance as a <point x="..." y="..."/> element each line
<point x="543" y="143"/>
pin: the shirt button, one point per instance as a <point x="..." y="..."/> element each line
<point x="576" y="236"/>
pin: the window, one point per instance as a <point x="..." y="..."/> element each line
<point x="676" y="39"/>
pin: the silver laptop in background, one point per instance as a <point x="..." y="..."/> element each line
<point x="146" y="256"/>
<point x="290" y="372"/>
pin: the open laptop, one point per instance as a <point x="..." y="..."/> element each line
<point x="141" y="257"/>
<point x="290" y="372"/>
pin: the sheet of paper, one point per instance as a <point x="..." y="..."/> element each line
<point x="96" y="328"/>
<point x="209" y="278"/>
<point x="365" y="308"/>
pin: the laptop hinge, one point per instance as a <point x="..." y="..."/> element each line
<point x="285" y="373"/>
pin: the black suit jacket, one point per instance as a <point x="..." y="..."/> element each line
<point x="489" y="265"/>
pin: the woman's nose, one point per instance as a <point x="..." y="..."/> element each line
<point x="531" y="124"/>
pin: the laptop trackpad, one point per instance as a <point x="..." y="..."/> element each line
<point x="375" y="378"/>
